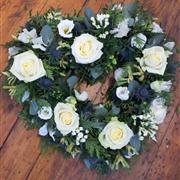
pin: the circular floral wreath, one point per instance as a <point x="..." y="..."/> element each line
<point x="53" y="55"/>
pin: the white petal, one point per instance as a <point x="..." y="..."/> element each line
<point x="51" y="134"/>
<point x="81" y="96"/>
<point x="43" y="131"/>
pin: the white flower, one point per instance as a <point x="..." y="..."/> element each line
<point x="27" y="36"/>
<point x="43" y="131"/>
<point x="159" y="86"/>
<point x="121" y="30"/>
<point x="154" y="60"/>
<point x="86" y="49"/>
<point x="170" y="45"/>
<point x="65" y="28"/>
<point x="81" y="96"/>
<point x="138" y="41"/>
<point x="27" y="67"/>
<point x="118" y="74"/>
<point x="45" y="113"/>
<point x="66" y="119"/>
<point x="39" y="44"/>
<point x="158" y="110"/>
<point x="12" y="51"/>
<point x="157" y="28"/>
<point x="115" y="135"/>
<point x="122" y="93"/>
<point x="117" y="7"/>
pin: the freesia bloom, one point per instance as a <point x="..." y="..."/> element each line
<point x="66" y="118"/>
<point x="122" y="93"/>
<point x="159" y="86"/>
<point x="121" y="30"/>
<point x="158" y="110"/>
<point x="86" y="49"/>
<point x="65" y="28"/>
<point x="138" y="41"/>
<point x="45" y="113"/>
<point x="39" y="44"/>
<point x="27" y="36"/>
<point x="27" y="67"/>
<point x="115" y="135"/>
<point x="154" y="60"/>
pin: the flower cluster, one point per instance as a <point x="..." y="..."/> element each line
<point x="49" y="61"/>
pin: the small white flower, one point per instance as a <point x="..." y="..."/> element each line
<point x="43" y="131"/>
<point x="73" y="133"/>
<point x="83" y="140"/>
<point x="66" y="119"/>
<point x="86" y="136"/>
<point x="12" y="51"/>
<point x="39" y="44"/>
<point x="80" y="135"/>
<point x="86" y="131"/>
<point x="81" y="96"/>
<point x="122" y="93"/>
<point x="121" y="30"/>
<point x="138" y="41"/>
<point x="45" y="113"/>
<point x="27" y="36"/>
<point x="170" y="45"/>
<point x="65" y="28"/>
<point x="118" y="74"/>
<point x="158" y="110"/>
<point x="81" y="128"/>
<point x="86" y="49"/>
<point x="157" y="28"/>
<point x="159" y="86"/>
<point x="115" y="135"/>
<point x="27" y="67"/>
<point x="117" y="7"/>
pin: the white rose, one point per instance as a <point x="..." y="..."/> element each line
<point x="122" y="93"/>
<point x="118" y="74"/>
<point x="65" y="28"/>
<point x="159" y="86"/>
<point x="66" y="119"/>
<point x="122" y="29"/>
<point x="154" y="60"/>
<point x="158" y="110"/>
<point x="138" y="41"/>
<point x="157" y="28"/>
<point x="86" y="49"/>
<point x="45" y="113"/>
<point x="27" y="36"/>
<point x="27" y="67"/>
<point x="115" y="135"/>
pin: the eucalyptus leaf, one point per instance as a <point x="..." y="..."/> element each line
<point x="133" y="86"/>
<point x="130" y="10"/>
<point x="96" y="72"/>
<point x="89" y="13"/>
<point x="135" y="142"/>
<point x="25" y="96"/>
<point x="47" y="34"/>
<point x="156" y="40"/>
<point x="100" y="111"/>
<point x="33" y="109"/>
<point x="115" y="110"/>
<point x="72" y="81"/>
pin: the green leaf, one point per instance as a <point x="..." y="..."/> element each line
<point x="156" y="40"/>
<point x="100" y="111"/>
<point x="47" y="34"/>
<point x="96" y="72"/>
<point x="71" y="81"/>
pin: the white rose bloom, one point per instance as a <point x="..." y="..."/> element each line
<point x="138" y="41"/>
<point x="118" y="74"/>
<point x="45" y="113"/>
<point x="86" y="49"/>
<point x="159" y="86"/>
<point x="27" y="36"/>
<point x="66" y="119"/>
<point x="158" y="110"/>
<point x="65" y="28"/>
<point x="81" y="96"/>
<point x="122" y="93"/>
<point x="157" y="28"/>
<point x="170" y="45"/>
<point x="27" y="67"/>
<point x="121" y="30"/>
<point x="115" y="135"/>
<point x="154" y="60"/>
